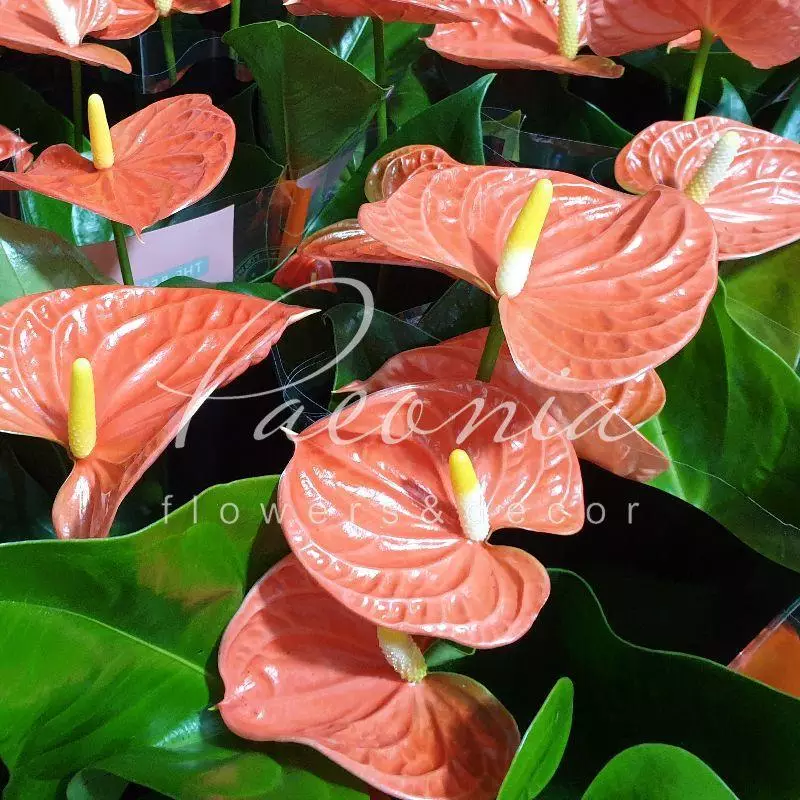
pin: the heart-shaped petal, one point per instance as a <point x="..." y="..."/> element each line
<point x="167" y="156"/>
<point x="156" y="355"/>
<point x="617" y="284"/>
<point x="369" y="509"/>
<point x="300" y="667"/>
<point x="599" y="424"/>
<point x="422" y="11"/>
<point x="391" y="171"/>
<point x="27" y="26"/>
<point x="515" y="34"/>
<point x="766" y="33"/>
<point x="756" y="206"/>
<point x="303" y="271"/>
<point x="133" y="18"/>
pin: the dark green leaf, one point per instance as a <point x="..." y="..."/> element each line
<point x="314" y="101"/>
<point x="788" y="124"/>
<point x="462" y="308"/>
<point x="657" y="772"/>
<point x="442" y="654"/>
<point x="118" y="637"/>
<point x="242" y="109"/>
<point x="625" y="694"/>
<point x="542" y="747"/>
<point x="731" y="105"/>
<point x="453" y="123"/>
<point x="408" y="99"/>
<point x="92" y="784"/>
<point x="34" y="260"/>
<point x="730" y="428"/>
<point x="507" y="131"/>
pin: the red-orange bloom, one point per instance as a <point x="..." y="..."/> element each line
<point x="617" y="286"/>
<point x="156" y="355"/>
<point x="422" y="11"/>
<point x="520" y="34"/>
<point x="29" y="26"/>
<point x="303" y="271"/>
<point x="136" y="16"/>
<point x="300" y="667"/>
<point x="167" y="156"/>
<point x="600" y="424"/>
<point x="766" y="33"/>
<point x="13" y="147"/>
<point x="755" y="205"/>
<point x="371" y="511"/>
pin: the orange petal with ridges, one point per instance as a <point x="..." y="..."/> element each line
<point x="156" y="355"/>
<point x="421" y="11"/>
<point x="755" y="208"/>
<point x="391" y="171"/>
<point x="14" y="147"/>
<point x="133" y="18"/>
<point x="300" y="667"/>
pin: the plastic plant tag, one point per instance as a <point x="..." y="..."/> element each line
<point x="200" y="248"/>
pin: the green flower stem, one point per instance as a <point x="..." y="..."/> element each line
<point x="169" y="47"/>
<point x="122" y="254"/>
<point x="77" y="105"/>
<point x="236" y="14"/>
<point x="379" y="48"/>
<point x="698" y="69"/>
<point x="491" y="350"/>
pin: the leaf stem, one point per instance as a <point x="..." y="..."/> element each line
<point x="169" y="47"/>
<point x="122" y="253"/>
<point x="379" y="49"/>
<point x="77" y="105"/>
<point x="236" y="14"/>
<point x="491" y="350"/>
<point x="698" y="70"/>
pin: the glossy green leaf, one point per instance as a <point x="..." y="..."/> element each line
<point x="408" y="99"/>
<point x="745" y="731"/>
<point x="731" y="105"/>
<point x="657" y="772"/>
<point x="764" y="298"/>
<point x="72" y="223"/>
<point x="314" y="101"/>
<point x="442" y="654"/>
<point x="507" y="131"/>
<point x="542" y="747"/>
<point x="730" y="428"/>
<point x="107" y="656"/>
<point x="462" y="308"/>
<point x="35" y="260"/>
<point x="453" y="123"/>
<point x="788" y="124"/>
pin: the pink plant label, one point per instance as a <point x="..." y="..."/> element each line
<point x="199" y="248"/>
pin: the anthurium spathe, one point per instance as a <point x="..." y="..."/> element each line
<point x="113" y="373"/>
<point x="522" y="34"/>
<point x="746" y="179"/>
<point x="422" y="11"/>
<point x="13" y="147"/>
<point x="157" y="161"/>
<point x="600" y="424"/>
<point x="300" y="667"/>
<point x="391" y="171"/>
<point x="618" y="284"/>
<point x="766" y="33"/>
<point x="136" y="16"/>
<point x="58" y="27"/>
<point x="378" y="511"/>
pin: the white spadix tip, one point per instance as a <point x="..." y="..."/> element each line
<point x="473" y="512"/>
<point x="402" y="652"/>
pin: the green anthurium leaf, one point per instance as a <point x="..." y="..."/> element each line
<point x="764" y="298"/>
<point x="542" y="747"/>
<point x="441" y="654"/>
<point x="788" y="124"/>
<point x="376" y="342"/>
<point x="242" y="109"/>
<point x="462" y="308"/>
<point x="453" y="123"/>
<point x="118" y="637"/>
<point x="731" y="105"/>
<point x="35" y="260"/>
<point x="730" y="429"/>
<point x="314" y="101"/>
<point x="507" y="130"/>
<point x="657" y="772"/>
<point x="408" y="98"/>
<point x="94" y="784"/>
<point x="745" y="731"/>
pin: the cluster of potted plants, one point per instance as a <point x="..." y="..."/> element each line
<point x="402" y="507"/>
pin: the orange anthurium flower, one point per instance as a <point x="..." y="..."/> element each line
<point x="300" y="667"/>
<point x="304" y="271"/>
<point x="614" y="444"/>
<point x="389" y="506"/>
<point x="391" y="171"/>
<point x="58" y="27"/>
<point x="617" y="285"/>
<point x="136" y="16"/>
<point x="522" y="34"/>
<point x="747" y="180"/>
<point x="766" y="33"/>
<point x="14" y="147"/>
<point x="114" y="373"/>
<point x="422" y="11"/>
<point x="163" y="158"/>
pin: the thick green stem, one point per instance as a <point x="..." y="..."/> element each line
<point x="236" y="14"/>
<point x="169" y="47"/>
<point x="491" y="350"/>
<point x="698" y="69"/>
<point x="379" y="49"/>
<point x="77" y="105"/>
<point x="122" y="254"/>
